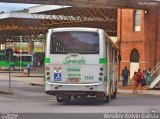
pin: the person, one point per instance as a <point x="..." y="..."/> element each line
<point x="125" y="75"/>
<point x="149" y="76"/>
<point x="140" y="77"/>
<point x="135" y="83"/>
<point x="9" y="53"/>
<point x="28" y="69"/>
<point x="35" y="62"/>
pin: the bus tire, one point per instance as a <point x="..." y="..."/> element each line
<point x="108" y="99"/>
<point x="59" y="99"/>
<point x="114" y="94"/>
<point x="67" y="99"/>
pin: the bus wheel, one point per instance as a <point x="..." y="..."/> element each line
<point x="108" y="99"/>
<point x="67" y="99"/>
<point x="60" y="98"/>
<point x="114" y="94"/>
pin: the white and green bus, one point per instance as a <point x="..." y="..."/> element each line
<point x="17" y="61"/>
<point x="80" y="62"/>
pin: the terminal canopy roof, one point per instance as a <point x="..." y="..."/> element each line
<point x="105" y="18"/>
<point x="142" y="4"/>
<point x="23" y="24"/>
<point x="20" y="24"/>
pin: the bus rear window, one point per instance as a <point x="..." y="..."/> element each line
<point x="74" y="42"/>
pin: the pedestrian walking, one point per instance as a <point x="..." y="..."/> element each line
<point x="141" y="80"/>
<point x="28" y="69"/>
<point x="35" y="63"/>
<point x="125" y="75"/>
<point x="149" y="76"/>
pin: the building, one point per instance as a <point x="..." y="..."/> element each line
<point x="139" y="38"/>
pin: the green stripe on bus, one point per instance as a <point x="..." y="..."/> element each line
<point x="102" y="61"/>
<point x="3" y="63"/>
<point x="47" y="60"/>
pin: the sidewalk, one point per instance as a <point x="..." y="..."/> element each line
<point x="144" y="92"/>
<point x="129" y="90"/>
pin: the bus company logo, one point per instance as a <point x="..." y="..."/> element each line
<point x="68" y="60"/>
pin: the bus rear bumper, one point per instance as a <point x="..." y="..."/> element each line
<point x="61" y="88"/>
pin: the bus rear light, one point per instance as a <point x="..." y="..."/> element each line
<point x="47" y="68"/>
<point x="48" y="78"/>
<point x="47" y="73"/>
<point x="101" y="74"/>
<point x="100" y="78"/>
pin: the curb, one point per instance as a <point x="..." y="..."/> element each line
<point x="6" y="92"/>
<point x="139" y="94"/>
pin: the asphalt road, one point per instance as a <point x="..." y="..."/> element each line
<point x="32" y="99"/>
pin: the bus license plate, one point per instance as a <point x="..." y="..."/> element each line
<point x="73" y="80"/>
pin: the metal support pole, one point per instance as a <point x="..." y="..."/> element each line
<point x="20" y="53"/>
<point x="9" y="71"/>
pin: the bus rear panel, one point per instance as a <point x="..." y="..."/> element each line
<point x="76" y="63"/>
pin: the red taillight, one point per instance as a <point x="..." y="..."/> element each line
<point x="101" y="74"/>
<point x="47" y="68"/>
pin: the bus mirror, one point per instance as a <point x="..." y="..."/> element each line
<point x="119" y="57"/>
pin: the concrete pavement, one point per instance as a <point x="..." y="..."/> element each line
<point x="144" y="92"/>
<point x="36" y="79"/>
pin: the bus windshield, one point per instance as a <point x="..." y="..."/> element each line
<point x="74" y="42"/>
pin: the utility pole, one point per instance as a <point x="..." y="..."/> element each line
<point x="9" y="53"/>
<point x="21" y="53"/>
<point x="9" y="71"/>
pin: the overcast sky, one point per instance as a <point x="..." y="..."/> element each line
<point x="7" y="7"/>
